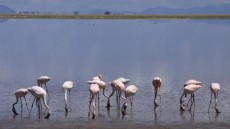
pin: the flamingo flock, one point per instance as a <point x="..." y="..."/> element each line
<point x="118" y="87"/>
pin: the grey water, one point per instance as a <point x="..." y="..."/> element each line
<point x="77" y="50"/>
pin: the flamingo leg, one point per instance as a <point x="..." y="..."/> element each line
<point x="26" y="104"/>
<point x="193" y="101"/>
<point x="210" y="102"/>
<point x="38" y="105"/>
<point x="216" y="96"/>
<point x="90" y="101"/>
<point x="32" y="106"/>
<point x="21" y="105"/>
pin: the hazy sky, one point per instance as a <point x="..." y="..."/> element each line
<point x="113" y="5"/>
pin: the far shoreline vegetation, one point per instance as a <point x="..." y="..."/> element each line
<point x="108" y="15"/>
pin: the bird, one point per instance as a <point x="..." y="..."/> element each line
<point x="19" y="94"/>
<point x="117" y="85"/>
<point x="67" y="86"/>
<point x="43" y="80"/>
<point x="189" y="89"/>
<point x="129" y="91"/>
<point x="93" y="89"/>
<point x="123" y="80"/>
<point x="156" y="84"/>
<point x="39" y="93"/>
<point x="99" y="77"/>
<point x="99" y="80"/>
<point x="188" y="82"/>
<point x="215" y="87"/>
<point x="192" y="81"/>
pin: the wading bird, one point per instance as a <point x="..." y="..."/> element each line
<point x="156" y="84"/>
<point x="67" y="86"/>
<point x="43" y="80"/>
<point x="189" y="82"/>
<point x="189" y="89"/>
<point x="99" y="80"/>
<point x="118" y="86"/>
<point x="215" y="87"/>
<point x="19" y="94"/>
<point x="39" y="93"/>
<point x="130" y="91"/>
<point x="93" y="89"/>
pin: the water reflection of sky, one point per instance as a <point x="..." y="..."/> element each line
<point x="138" y="49"/>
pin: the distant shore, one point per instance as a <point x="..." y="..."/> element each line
<point x="110" y="16"/>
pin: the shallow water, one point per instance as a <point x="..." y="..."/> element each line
<point x="77" y="50"/>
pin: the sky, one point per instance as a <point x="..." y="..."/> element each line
<point x="113" y="5"/>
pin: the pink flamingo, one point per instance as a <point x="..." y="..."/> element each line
<point x="189" y="82"/>
<point x="93" y="89"/>
<point x="156" y="84"/>
<point x="43" y="80"/>
<point x="99" y="80"/>
<point x="39" y="93"/>
<point x="117" y="85"/>
<point x="67" y="86"/>
<point x="189" y="89"/>
<point x="215" y="87"/>
<point x="130" y="91"/>
<point x="19" y="94"/>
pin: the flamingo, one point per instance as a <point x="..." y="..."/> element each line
<point x="156" y="84"/>
<point x="117" y="85"/>
<point x="67" y="86"/>
<point x="130" y="91"/>
<point x="99" y="77"/>
<point x="19" y="94"/>
<point x="93" y="89"/>
<point x="43" y="80"/>
<point x="192" y="81"/>
<point x="188" y="82"/>
<point x="99" y="80"/>
<point x="215" y="87"/>
<point x="39" y="93"/>
<point x="189" y="89"/>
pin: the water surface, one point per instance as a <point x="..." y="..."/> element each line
<point x="77" y="50"/>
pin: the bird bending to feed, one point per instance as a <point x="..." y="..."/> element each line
<point x="118" y="86"/>
<point x="99" y="81"/>
<point x="215" y="87"/>
<point x="156" y="84"/>
<point x="67" y="86"/>
<point x="93" y="89"/>
<point x="19" y="94"/>
<point x="189" y="82"/>
<point x="189" y="89"/>
<point x="39" y="93"/>
<point x="192" y="81"/>
<point x="43" y="80"/>
<point x="130" y="91"/>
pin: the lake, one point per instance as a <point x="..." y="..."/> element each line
<point x="77" y="50"/>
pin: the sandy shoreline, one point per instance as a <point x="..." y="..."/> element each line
<point x="58" y="124"/>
